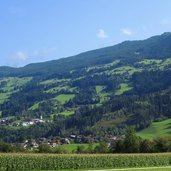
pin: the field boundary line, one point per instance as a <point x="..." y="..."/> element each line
<point x="138" y="168"/>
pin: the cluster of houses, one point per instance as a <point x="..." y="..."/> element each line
<point x="5" y="121"/>
<point x="53" y="142"/>
<point x="8" y="122"/>
<point x="32" y="143"/>
<point x="30" y="122"/>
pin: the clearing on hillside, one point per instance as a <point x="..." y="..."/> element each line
<point x="157" y="129"/>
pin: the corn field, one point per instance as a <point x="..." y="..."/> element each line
<point x="24" y="162"/>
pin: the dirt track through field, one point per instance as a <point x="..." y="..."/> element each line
<point x="125" y="169"/>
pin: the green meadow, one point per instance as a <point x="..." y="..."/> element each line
<point x="123" y="88"/>
<point x="63" y="98"/>
<point x="12" y="85"/>
<point x="73" y="147"/>
<point x="157" y="129"/>
<point x="103" y="95"/>
<point x="67" y="113"/>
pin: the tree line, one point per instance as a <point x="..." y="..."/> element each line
<point x="130" y="144"/>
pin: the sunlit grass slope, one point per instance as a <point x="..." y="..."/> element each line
<point x="157" y="129"/>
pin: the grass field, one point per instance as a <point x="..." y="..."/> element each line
<point x="51" y="81"/>
<point x="56" y="89"/>
<point x="123" y="88"/>
<point x="99" y="89"/>
<point x="103" y="95"/>
<point x="154" y="64"/>
<point x="73" y="147"/>
<point x="35" y="106"/>
<point x="106" y="66"/>
<point x="126" y="69"/>
<point x="3" y="97"/>
<point x="60" y="88"/>
<point x="67" y="113"/>
<point x="63" y="98"/>
<point x="150" y="61"/>
<point x="157" y="129"/>
<point x="11" y="85"/>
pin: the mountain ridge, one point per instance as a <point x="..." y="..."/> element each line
<point x="99" y="92"/>
<point x="132" y="49"/>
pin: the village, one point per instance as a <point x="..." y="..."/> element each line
<point x="72" y="139"/>
<point x="30" y="144"/>
<point x="9" y="122"/>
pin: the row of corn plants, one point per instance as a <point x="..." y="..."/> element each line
<point x="24" y="162"/>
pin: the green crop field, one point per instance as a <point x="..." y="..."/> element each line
<point x="157" y="129"/>
<point x="22" y="162"/>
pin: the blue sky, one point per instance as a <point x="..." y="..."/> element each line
<point x="42" y="30"/>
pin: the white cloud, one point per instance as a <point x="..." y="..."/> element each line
<point x="102" y="34"/>
<point x="19" y="56"/>
<point x="17" y="59"/>
<point x="126" y="31"/>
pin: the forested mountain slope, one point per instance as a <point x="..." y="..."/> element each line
<point x="158" y="47"/>
<point x="96" y="92"/>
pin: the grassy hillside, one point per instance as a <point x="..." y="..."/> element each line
<point x="123" y="88"/>
<point x="157" y="129"/>
<point x="10" y="85"/>
<point x="104" y="90"/>
<point x="63" y="98"/>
